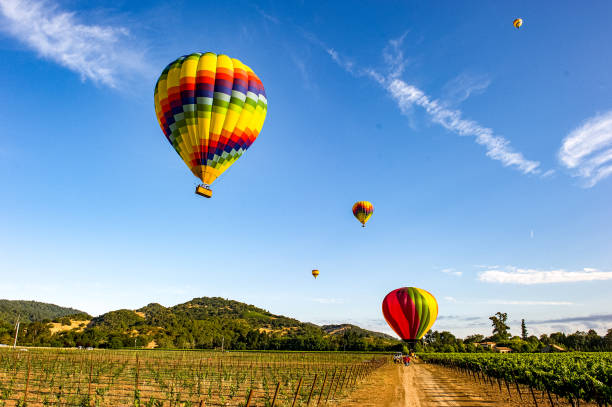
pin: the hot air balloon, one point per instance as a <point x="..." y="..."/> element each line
<point x="363" y="210"/>
<point x="315" y="273"/>
<point x="517" y="23"/>
<point x="410" y="312"/>
<point x="211" y="109"/>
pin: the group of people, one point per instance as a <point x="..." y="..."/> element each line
<point x="399" y="358"/>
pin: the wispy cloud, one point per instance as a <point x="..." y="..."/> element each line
<point x="598" y="322"/>
<point x="302" y="69"/>
<point x="587" y="150"/>
<point x="407" y="96"/>
<point x="452" y="272"/>
<point x="459" y="318"/>
<point x="588" y="318"/>
<point x="464" y="85"/>
<point x="267" y="16"/>
<point x="95" y="52"/>
<point x="515" y="275"/>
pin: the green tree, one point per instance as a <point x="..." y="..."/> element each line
<point x="608" y="339"/>
<point x="500" y="329"/>
<point x="474" y="338"/>
<point x="523" y="330"/>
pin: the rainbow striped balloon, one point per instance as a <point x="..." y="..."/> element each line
<point x="363" y="210"/>
<point x="211" y="109"/>
<point x="410" y="312"/>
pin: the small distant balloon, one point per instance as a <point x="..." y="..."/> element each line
<point x="518" y="23"/>
<point x="363" y="210"/>
<point x="315" y="273"/>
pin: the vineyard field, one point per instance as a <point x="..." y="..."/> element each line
<point x="575" y="375"/>
<point x="48" y="377"/>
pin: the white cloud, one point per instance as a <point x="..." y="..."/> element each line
<point x="94" y="52"/>
<point x="548" y="173"/>
<point x="587" y="150"/>
<point x="498" y="148"/>
<point x="452" y="272"/>
<point x="515" y="275"/>
<point x="406" y="96"/>
<point x="571" y="324"/>
<point x="464" y="85"/>
<point x="450" y="299"/>
<point x="343" y="62"/>
<point x="301" y="66"/>
<point x="267" y="16"/>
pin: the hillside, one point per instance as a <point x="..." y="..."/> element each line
<point x="340" y="329"/>
<point x="202" y="323"/>
<point x="31" y="311"/>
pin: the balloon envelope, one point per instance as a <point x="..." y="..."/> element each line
<point x="410" y="312"/>
<point x="518" y="22"/>
<point x="363" y="210"/>
<point x="315" y="273"/>
<point x="211" y="109"/>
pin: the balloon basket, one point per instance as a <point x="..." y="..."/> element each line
<point x="204" y="191"/>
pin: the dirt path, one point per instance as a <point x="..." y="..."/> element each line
<point x="423" y="385"/>
<point x="418" y="385"/>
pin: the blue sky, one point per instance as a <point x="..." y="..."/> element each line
<point x="486" y="151"/>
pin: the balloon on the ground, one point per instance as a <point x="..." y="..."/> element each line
<point x="211" y="109"/>
<point x="410" y="312"/>
<point x="518" y="22"/>
<point x="315" y="273"/>
<point x="363" y="210"/>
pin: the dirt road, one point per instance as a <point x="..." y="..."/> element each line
<point x="418" y="385"/>
<point x="423" y="385"/>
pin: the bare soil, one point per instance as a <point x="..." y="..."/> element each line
<point x="421" y="384"/>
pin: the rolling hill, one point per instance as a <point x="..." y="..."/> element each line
<point x="202" y="323"/>
<point x="32" y="311"/>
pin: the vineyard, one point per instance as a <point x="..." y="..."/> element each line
<point x="178" y="378"/>
<point x="574" y="376"/>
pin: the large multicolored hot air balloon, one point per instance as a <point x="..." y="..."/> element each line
<point x="410" y="312"/>
<point x="363" y="210"/>
<point x="211" y="109"/>
<point x="315" y="273"/>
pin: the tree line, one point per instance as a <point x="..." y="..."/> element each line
<point x="445" y="341"/>
<point x="210" y="323"/>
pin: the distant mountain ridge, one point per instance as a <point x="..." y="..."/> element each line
<point x="201" y="323"/>
<point x="32" y="311"/>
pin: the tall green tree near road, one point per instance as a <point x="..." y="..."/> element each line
<point x="500" y="329"/>
<point x="523" y="330"/>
